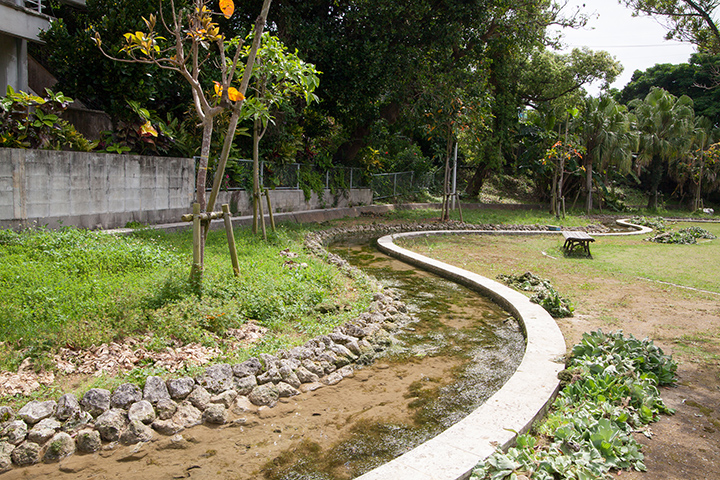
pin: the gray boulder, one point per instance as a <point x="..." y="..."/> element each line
<point x="43" y="431"/>
<point x="111" y="424"/>
<point x="27" y="453"/>
<point x="88" y="441"/>
<point x="244" y="385"/>
<point x="136" y="432"/>
<point x="179" y="388"/>
<point x="165" y="409"/>
<point x="167" y="427"/>
<point x="6" y="414"/>
<point x="187" y="415"/>
<point x="251" y="366"/>
<point x="125" y="395"/>
<point x="200" y="398"/>
<point x="306" y="376"/>
<point x="6" y="450"/>
<point x="141" y="411"/>
<point x="285" y="390"/>
<point x="35" y="411"/>
<point x="67" y="406"/>
<point x="226" y="398"/>
<point x="96" y="401"/>
<point x="216" y="414"/>
<point x="77" y="421"/>
<point x="61" y="445"/>
<point x="15" y="432"/>
<point x="217" y="378"/>
<point x="288" y="376"/>
<point x="155" y="390"/>
<point x="266" y="394"/>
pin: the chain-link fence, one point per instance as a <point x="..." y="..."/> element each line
<point x="239" y="173"/>
<point x="296" y="176"/>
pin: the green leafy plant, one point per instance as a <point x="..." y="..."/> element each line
<point x="31" y="121"/>
<point x="684" y="236"/>
<point x="588" y="433"/>
<point x="544" y="294"/>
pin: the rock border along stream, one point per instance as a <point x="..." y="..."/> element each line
<point x="49" y="431"/>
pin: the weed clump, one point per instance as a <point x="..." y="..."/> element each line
<point x="588" y="433"/>
<point x="543" y="293"/>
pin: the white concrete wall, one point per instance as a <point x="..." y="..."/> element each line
<point x="92" y="190"/>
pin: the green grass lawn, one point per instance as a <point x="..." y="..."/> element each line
<point x="75" y="288"/>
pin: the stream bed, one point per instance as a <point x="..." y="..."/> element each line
<point x="459" y="351"/>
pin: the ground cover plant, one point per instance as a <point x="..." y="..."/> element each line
<point x="72" y="289"/>
<point x="543" y="293"/>
<point x="612" y="392"/>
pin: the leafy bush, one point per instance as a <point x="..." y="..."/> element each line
<point x="685" y="236"/>
<point x="544" y="294"/>
<point x="656" y="223"/>
<point x="588" y="433"/>
<point x="30" y="121"/>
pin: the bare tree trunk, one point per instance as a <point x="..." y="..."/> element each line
<point x="588" y="185"/>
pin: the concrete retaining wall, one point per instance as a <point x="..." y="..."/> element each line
<point x="99" y="190"/>
<point x="92" y="190"/>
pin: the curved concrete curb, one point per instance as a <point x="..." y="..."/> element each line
<point x="454" y="453"/>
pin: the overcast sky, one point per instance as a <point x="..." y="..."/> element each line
<point x="637" y="42"/>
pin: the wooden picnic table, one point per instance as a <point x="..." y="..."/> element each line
<point x="575" y="240"/>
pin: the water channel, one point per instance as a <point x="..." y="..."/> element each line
<point x="461" y="349"/>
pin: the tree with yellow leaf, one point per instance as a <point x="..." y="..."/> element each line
<point x="193" y="37"/>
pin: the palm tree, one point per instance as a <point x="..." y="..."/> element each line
<point x="606" y="130"/>
<point x="700" y="165"/>
<point x="664" y="123"/>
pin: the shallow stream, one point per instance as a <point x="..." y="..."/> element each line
<point x="461" y="349"/>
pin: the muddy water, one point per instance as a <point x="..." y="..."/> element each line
<point x="462" y="349"/>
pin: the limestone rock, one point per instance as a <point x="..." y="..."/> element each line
<point x="226" y="398"/>
<point x="272" y="375"/>
<point x="88" y="441"/>
<point x="15" y="432"/>
<point x="242" y="404"/>
<point x="285" y="390"/>
<point x="67" y="406"/>
<point x="306" y="376"/>
<point x="187" y="415"/>
<point x="6" y="450"/>
<point x="268" y="360"/>
<point x="165" y="409"/>
<point x="166" y="427"/>
<point x="288" y="376"/>
<point x="217" y="378"/>
<point x="35" y="411"/>
<point x="61" y="445"/>
<point x="141" y="411"/>
<point x="244" y="385"/>
<point x="216" y="414"/>
<point x="43" y="431"/>
<point x="111" y="424"/>
<point x="77" y="421"/>
<point x="125" y="395"/>
<point x="155" y="390"/>
<point x="251" y="366"/>
<point x="96" y="401"/>
<point x="200" y="398"/>
<point x="266" y="394"/>
<point x="180" y="388"/>
<point x="136" y="432"/>
<point x="27" y="453"/>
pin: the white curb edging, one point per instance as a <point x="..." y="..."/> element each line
<point x="454" y="453"/>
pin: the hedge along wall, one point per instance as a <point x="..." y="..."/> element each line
<point x="92" y="190"/>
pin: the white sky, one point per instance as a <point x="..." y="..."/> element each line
<point x="637" y="42"/>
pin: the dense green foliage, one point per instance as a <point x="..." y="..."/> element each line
<point x="30" y="121"/>
<point x="77" y="288"/>
<point x="612" y="392"/>
<point x="543" y="293"/>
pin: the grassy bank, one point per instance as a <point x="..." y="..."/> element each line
<point x="75" y="288"/>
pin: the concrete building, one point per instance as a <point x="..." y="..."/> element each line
<point x="20" y="22"/>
